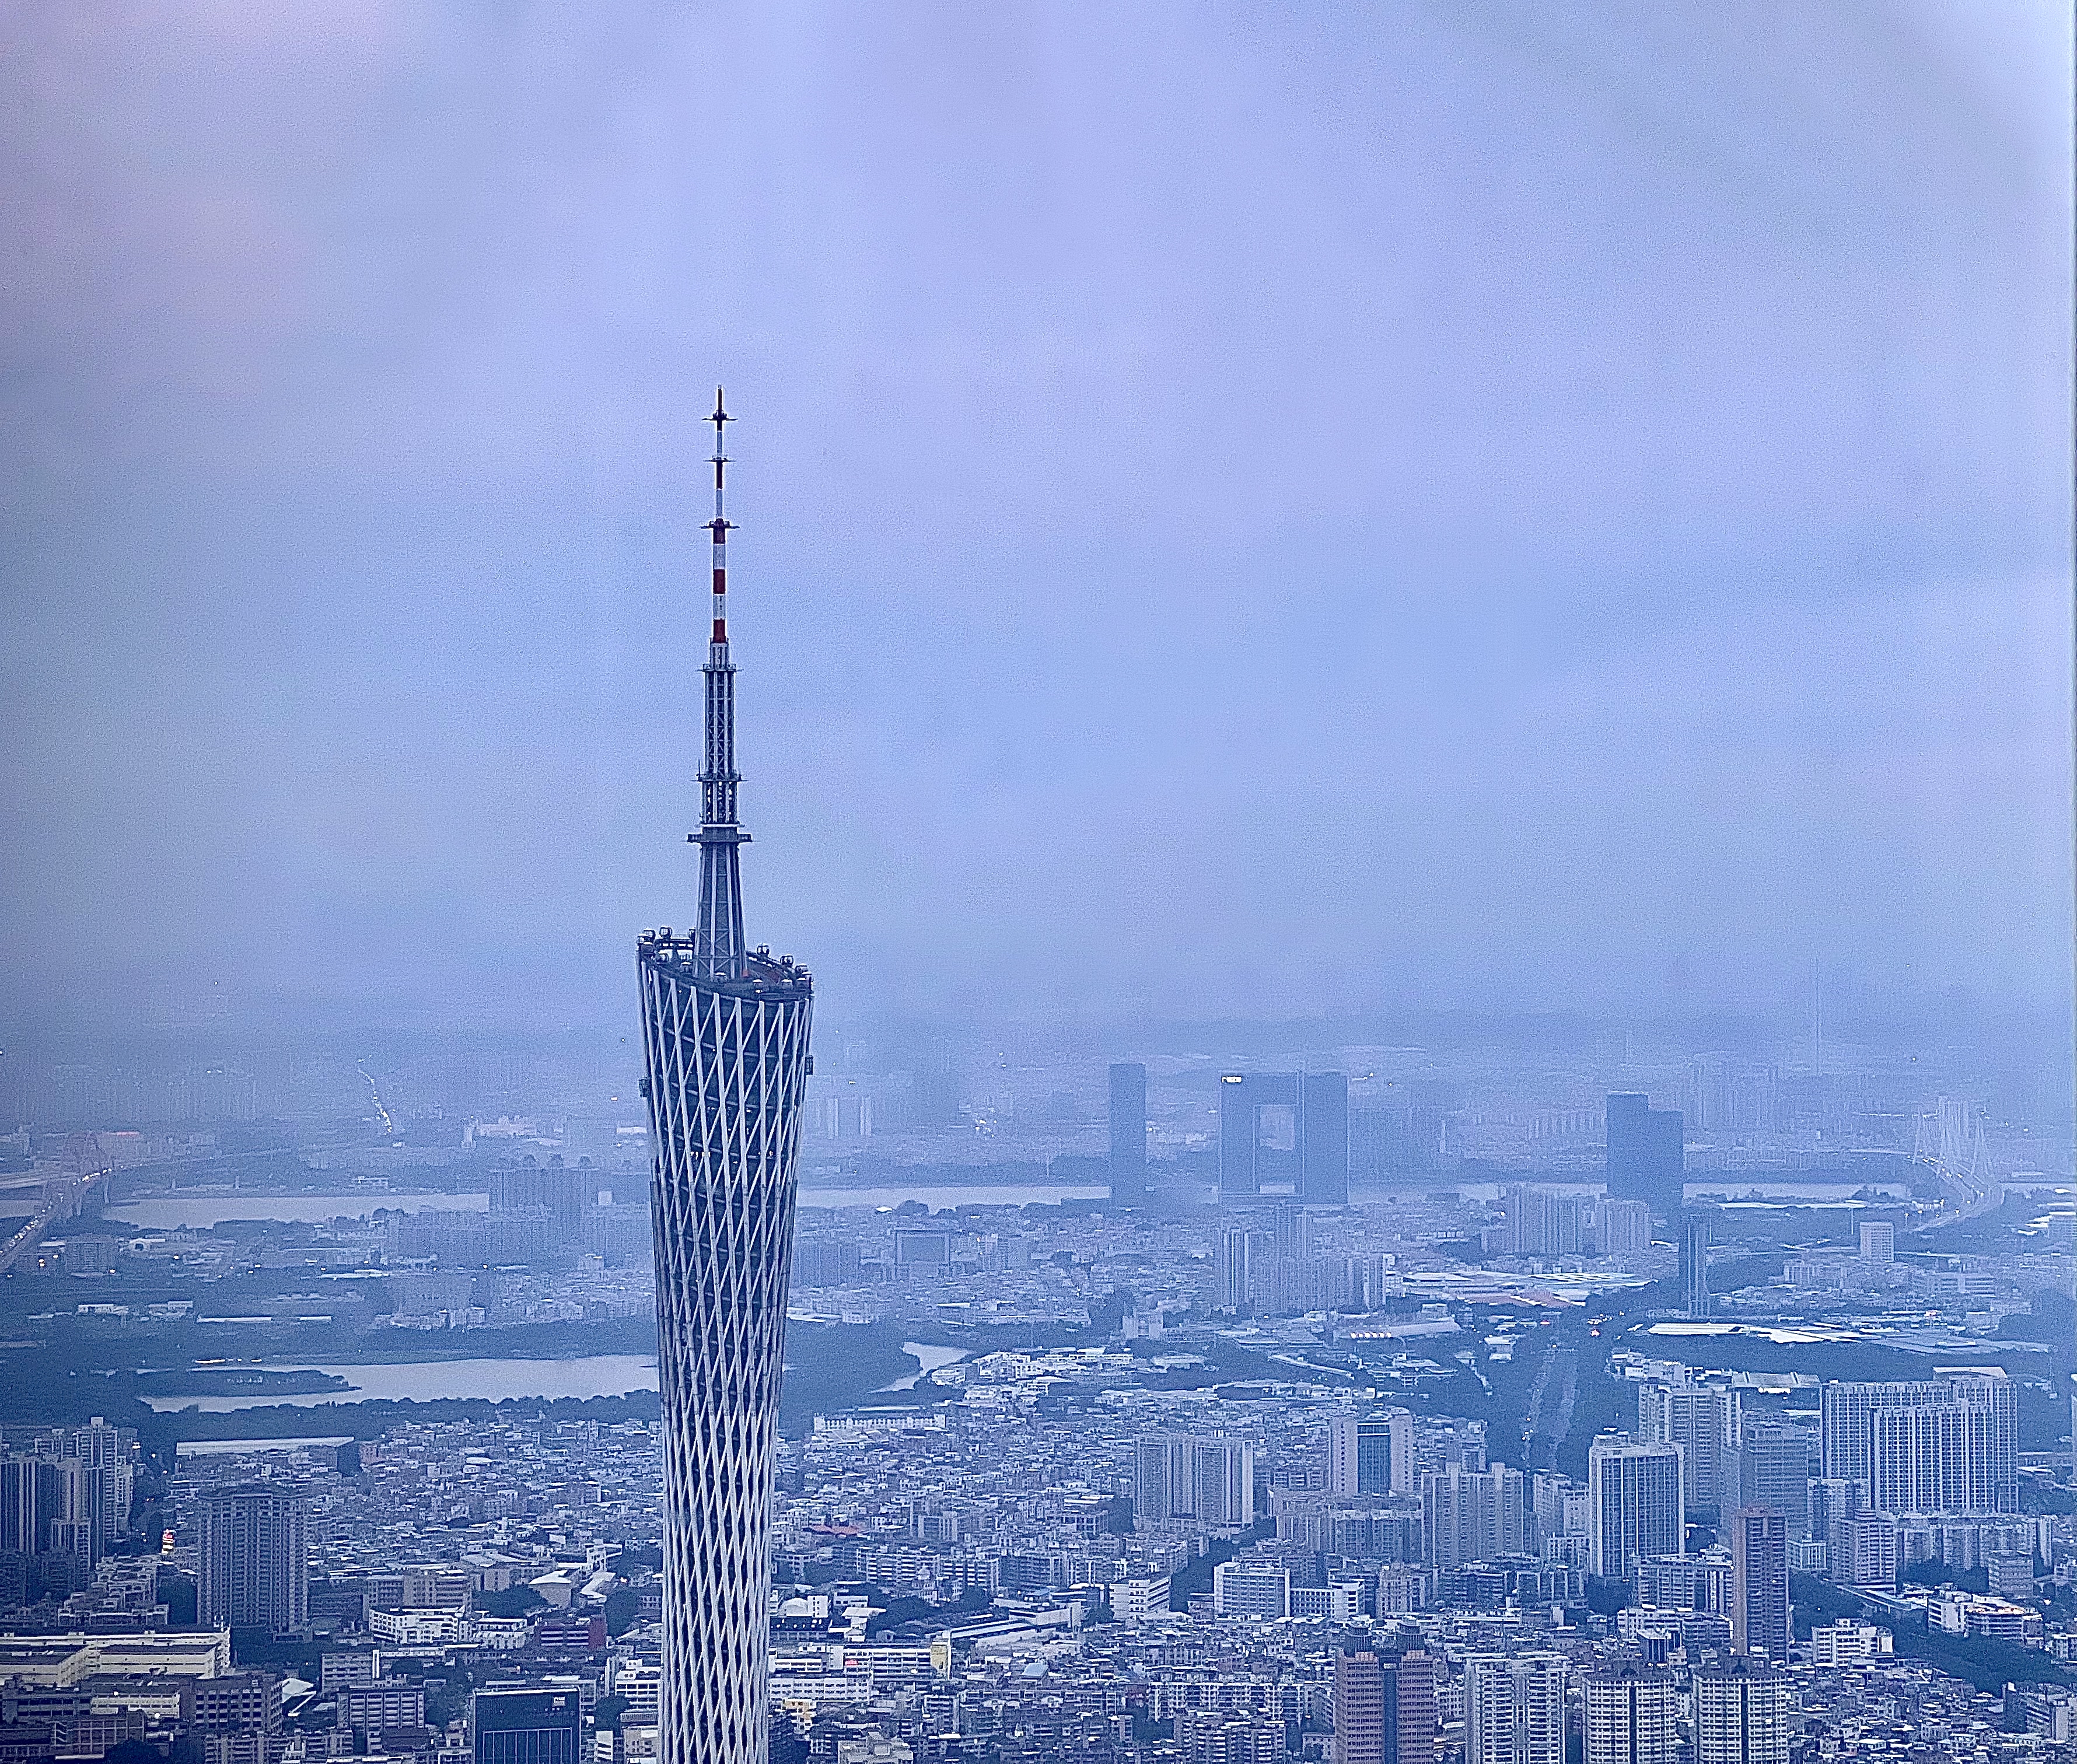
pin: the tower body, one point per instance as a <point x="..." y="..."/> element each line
<point x="725" y="1043"/>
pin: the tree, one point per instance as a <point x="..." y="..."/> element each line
<point x="1606" y="1597"/>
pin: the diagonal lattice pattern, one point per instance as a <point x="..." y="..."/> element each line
<point x="727" y="1064"/>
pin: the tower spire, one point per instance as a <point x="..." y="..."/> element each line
<point x="719" y="947"/>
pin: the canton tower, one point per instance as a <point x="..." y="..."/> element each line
<point x="725" y="1044"/>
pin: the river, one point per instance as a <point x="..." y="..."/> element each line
<point x="198" y="1213"/>
<point x="941" y="1199"/>
<point x="932" y="1356"/>
<point x="425" y="1381"/>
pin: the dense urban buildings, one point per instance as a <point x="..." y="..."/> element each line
<point x="1448" y="1470"/>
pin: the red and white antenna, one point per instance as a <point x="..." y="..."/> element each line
<point x="720" y="525"/>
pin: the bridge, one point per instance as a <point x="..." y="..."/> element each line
<point x="67" y="1192"/>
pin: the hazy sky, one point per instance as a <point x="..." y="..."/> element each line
<point x="1543" y="503"/>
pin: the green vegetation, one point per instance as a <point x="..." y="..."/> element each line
<point x="1989" y="1665"/>
<point x="68" y="1369"/>
<point x="512" y="1602"/>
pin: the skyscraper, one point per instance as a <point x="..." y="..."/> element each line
<point x="1514" y="1708"/>
<point x="1743" y="1714"/>
<point x="1646" y="1153"/>
<point x="1695" y="1299"/>
<point x="1633" y="1504"/>
<point x="1128" y="1134"/>
<point x="1759" y="1583"/>
<point x="1371" y="1453"/>
<point x="253" y="1558"/>
<point x="525" y="1727"/>
<point x="1384" y="1708"/>
<point x="1702" y="1420"/>
<point x="1632" y="1717"/>
<point x="1317" y="1164"/>
<point x="725" y="1040"/>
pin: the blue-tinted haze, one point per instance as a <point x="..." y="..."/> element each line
<point x="1243" y="507"/>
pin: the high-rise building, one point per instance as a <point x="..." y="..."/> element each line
<point x="1371" y="1453"/>
<point x="1323" y="1139"/>
<point x="1473" y="1516"/>
<point x="1759" y="1583"/>
<point x="1544" y="1222"/>
<point x="1359" y="1709"/>
<point x="1835" y="1501"/>
<point x="252" y="1555"/>
<point x="1864" y="1550"/>
<point x="1208" y="1477"/>
<point x="1695" y="1298"/>
<point x="1845" y="1417"/>
<point x="107" y="1461"/>
<point x="1233" y="1255"/>
<point x="1128" y="1134"/>
<point x="1775" y="1462"/>
<point x="724" y="1037"/>
<point x="1222" y="1482"/>
<point x="1702" y="1420"/>
<point x="526" y="1727"/>
<point x="1160" y="1479"/>
<point x="1646" y="1155"/>
<point x="1251" y="1589"/>
<point x="1410" y="1709"/>
<point x="1635" y="1508"/>
<point x="1965" y="1463"/>
<point x="1632" y="1717"/>
<point x="1743" y="1714"/>
<point x="43" y="1504"/>
<point x="1622" y="1227"/>
<point x="1878" y="1243"/>
<point x="1514" y="1708"/>
<point x="1317" y="1164"/>
<point x="1991" y="1389"/>
<point x="1931" y="1459"/>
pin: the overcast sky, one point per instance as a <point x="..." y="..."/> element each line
<point x="1545" y="503"/>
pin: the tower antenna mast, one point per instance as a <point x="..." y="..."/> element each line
<point x="718" y="945"/>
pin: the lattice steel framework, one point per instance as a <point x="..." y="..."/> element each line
<point x="724" y="1037"/>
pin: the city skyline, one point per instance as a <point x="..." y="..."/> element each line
<point x="1409" y="685"/>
